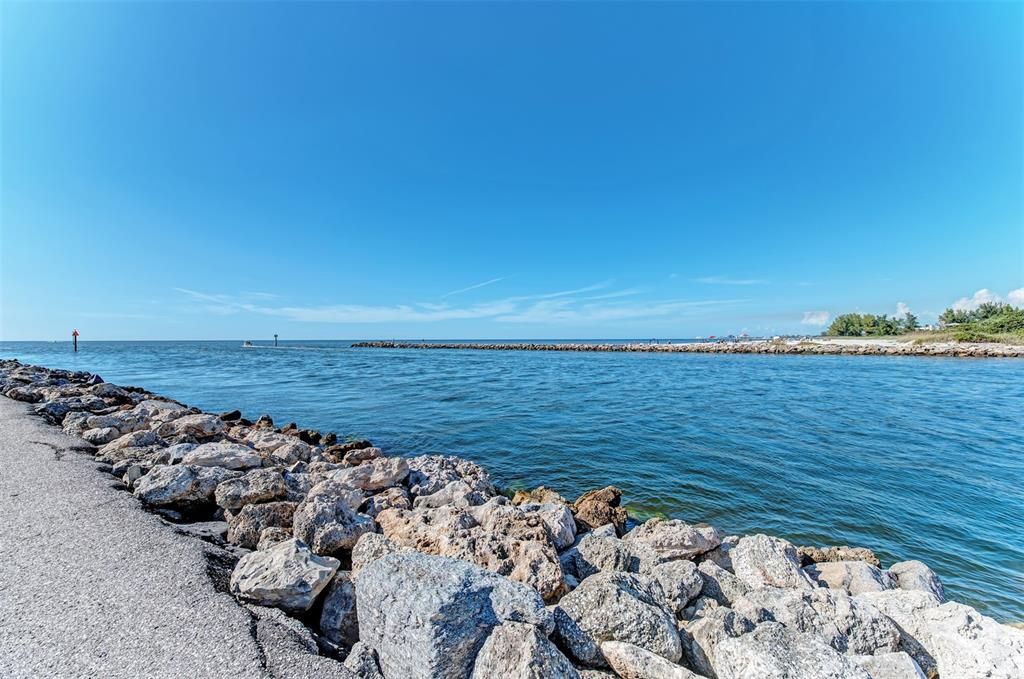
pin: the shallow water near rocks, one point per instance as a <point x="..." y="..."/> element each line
<point x="912" y="457"/>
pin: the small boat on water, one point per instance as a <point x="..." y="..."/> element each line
<point x="247" y="344"/>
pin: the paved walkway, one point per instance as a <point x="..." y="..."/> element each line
<point x="93" y="586"/>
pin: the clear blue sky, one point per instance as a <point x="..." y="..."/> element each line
<point x="346" y="170"/>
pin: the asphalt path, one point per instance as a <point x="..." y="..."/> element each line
<point x="91" y="585"/>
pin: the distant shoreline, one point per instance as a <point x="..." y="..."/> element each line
<point x="851" y="346"/>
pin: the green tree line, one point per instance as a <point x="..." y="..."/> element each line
<point x="859" y="325"/>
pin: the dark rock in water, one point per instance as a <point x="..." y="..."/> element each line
<point x="310" y="436"/>
<point x="596" y="508"/>
<point x="231" y="416"/>
<point x="811" y="555"/>
<point x="93" y="380"/>
<point x="265" y="422"/>
<point x="337" y="452"/>
<point x="329" y="439"/>
<point x="290" y="427"/>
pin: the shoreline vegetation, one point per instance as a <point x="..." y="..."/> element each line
<point x="989" y="322"/>
<point x="908" y="345"/>
<point x="419" y="568"/>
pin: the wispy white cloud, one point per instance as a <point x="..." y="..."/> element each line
<point x="728" y="280"/>
<point x="474" y="287"/>
<point x="1016" y="297"/>
<point x="554" y="307"/>
<point x="902" y="309"/>
<point x="817" y="318"/>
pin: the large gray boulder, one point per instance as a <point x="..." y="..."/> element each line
<point x="201" y="426"/>
<point x="701" y="636"/>
<point x="226" y="455"/>
<point x="258" y="485"/>
<point x="246" y="527"/>
<point x="905" y="609"/>
<point x="287" y="575"/>
<point x="523" y="651"/>
<point x="898" y="665"/>
<point x="559" y="521"/>
<point x="182" y="487"/>
<point x="370" y="547"/>
<point x="375" y="474"/>
<point x="632" y="662"/>
<point x="852" y="577"/>
<point x="845" y="623"/>
<point x="914" y="575"/>
<point x="680" y="583"/>
<point x="773" y="651"/>
<point x="675" y="539"/>
<point x="766" y="561"/>
<point x="969" y="645"/>
<point x="720" y="584"/>
<point x="338" y="618"/>
<point x="613" y="606"/>
<point x="428" y="617"/>
<point x="328" y="525"/>
<point x="430" y="473"/>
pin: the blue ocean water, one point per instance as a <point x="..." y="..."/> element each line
<point x="912" y="457"/>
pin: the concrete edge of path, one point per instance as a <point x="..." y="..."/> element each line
<point x="91" y="584"/>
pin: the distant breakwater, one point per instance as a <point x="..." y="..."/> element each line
<point x="806" y="347"/>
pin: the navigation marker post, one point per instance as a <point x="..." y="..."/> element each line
<point x="275" y="339"/>
<point x="74" y="338"/>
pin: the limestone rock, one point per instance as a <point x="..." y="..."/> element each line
<point x="456" y="493"/>
<point x="287" y="575"/>
<point x="772" y="651"/>
<point x="766" y="561"/>
<point x="247" y="526"/>
<point x="720" y="554"/>
<point x="360" y="455"/>
<point x="272" y="536"/>
<point x="905" y="609"/>
<point x="522" y="651"/>
<point x="288" y="453"/>
<point x="809" y="555"/>
<point x="680" y="583"/>
<point x="200" y="426"/>
<point x="101" y="435"/>
<point x="370" y="547"/>
<point x="610" y="606"/>
<point x="675" y="539"/>
<point x="336" y="490"/>
<point x="362" y="660"/>
<point x="720" y="584"/>
<point x="258" y="485"/>
<point x="430" y="473"/>
<point x="496" y="536"/>
<point x="389" y="498"/>
<point x="595" y="553"/>
<point x="376" y="474"/>
<point x="633" y="662"/>
<point x="847" y="624"/>
<point x="969" y="645"/>
<point x="539" y="495"/>
<point x="338" y="621"/>
<point x="183" y="487"/>
<point x="226" y="455"/>
<point x="700" y="637"/>
<point x="896" y="665"/>
<point x="914" y="575"/>
<point x="328" y="525"/>
<point x="596" y="508"/>
<point x="852" y="577"/>
<point x="428" y="617"/>
<point x="134" y="439"/>
<point x="558" y="519"/>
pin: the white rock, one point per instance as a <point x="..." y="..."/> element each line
<point x="898" y="665"/>
<point x="675" y="539"/>
<point x="226" y="455"/>
<point x="200" y="426"/>
<point x="969" y="645"/>
<point x="701" y="636"/>
<point x="914" y="575"/>
<point x="428" y="616"/>
<point x="772" y="651"/>
<point x="905" y="608"/>
<point x="852" y="577"/>
<point x="611" y="606"/>
<point x="558" y="519"/>
<point x="633" y="662"/>
<point x="521" y="651"/>
<point x="376" y="474"/>
<point x="766" y="561"/>
<point x="286" y="575"/>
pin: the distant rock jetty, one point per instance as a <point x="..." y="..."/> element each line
<point x="852" y="347"/>
<point x="418" y="568"/>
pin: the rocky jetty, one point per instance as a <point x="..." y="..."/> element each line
<point x="416" y="567"/>
<point x="789" y="347"/>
